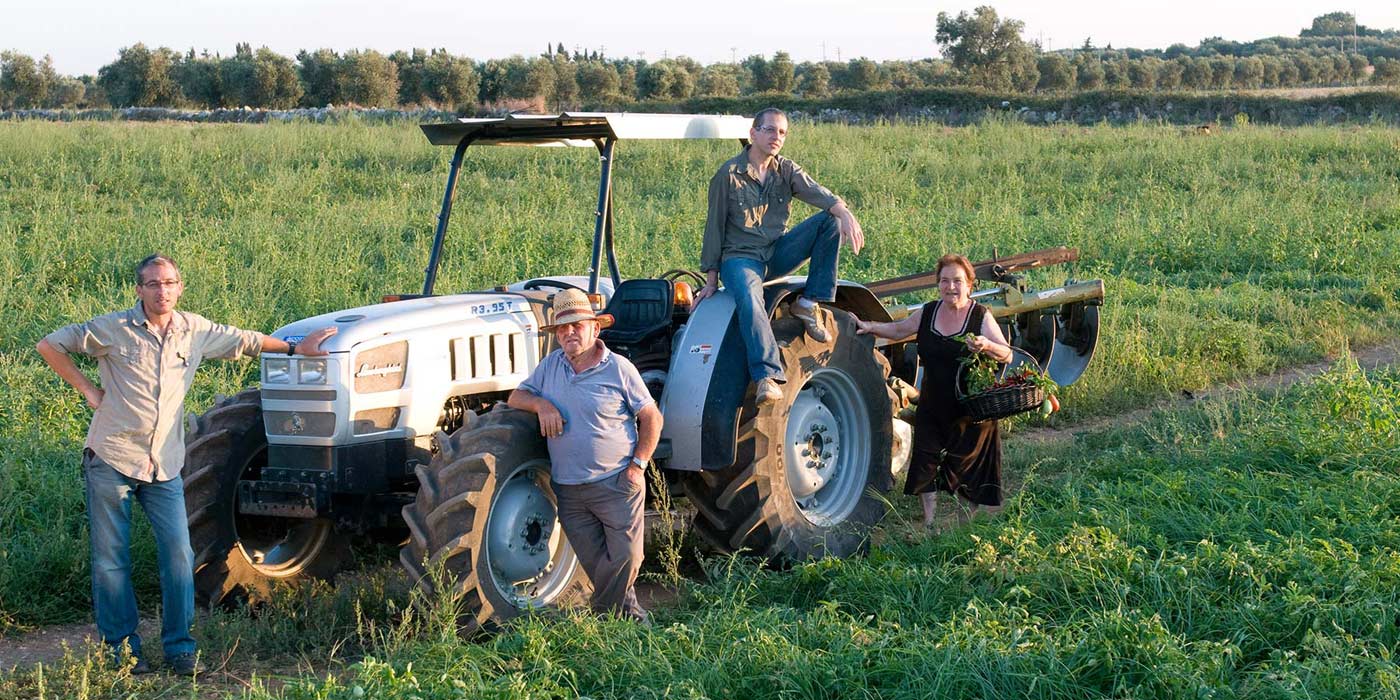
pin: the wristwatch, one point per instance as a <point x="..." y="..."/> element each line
<point x="291" y="348"/>
<point x="639" y="464"/>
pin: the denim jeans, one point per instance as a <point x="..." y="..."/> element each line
<point x="109" y="496"/>
<point x="816" y="238"/>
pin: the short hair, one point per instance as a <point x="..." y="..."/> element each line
<point x="758" y="118"/>
<point x="960" y="261"/>
<point x="153" y="260"/>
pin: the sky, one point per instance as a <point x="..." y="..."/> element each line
<point x="84" y="35"/>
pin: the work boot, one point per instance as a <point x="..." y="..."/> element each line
<point x="138" y="664"/>
<point x="810" y="313"/>
<point x="767" y="391"/>
<point x="184" y="665"/>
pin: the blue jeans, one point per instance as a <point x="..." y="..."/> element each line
<point x="816" y="238"/>
<point x="109" y="495"/>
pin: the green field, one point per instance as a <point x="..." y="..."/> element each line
<point x="1234" y="549"/>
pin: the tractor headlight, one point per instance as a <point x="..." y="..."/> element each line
<point x="277" y="372"/>
<point x="311" y="371"/>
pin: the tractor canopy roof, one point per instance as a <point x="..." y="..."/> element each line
<point x="585" y="128"/>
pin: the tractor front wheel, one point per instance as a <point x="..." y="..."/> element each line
<point x="238" y="557"/>
<point x="484" y="529"/>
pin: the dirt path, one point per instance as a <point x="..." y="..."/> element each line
<point x="48" y="645"/>
<point x="1369" y="358"/>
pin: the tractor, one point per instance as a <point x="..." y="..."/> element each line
<point x="403" y="428"/>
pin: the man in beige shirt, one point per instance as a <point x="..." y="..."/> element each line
<point x="146" y="359"/>
<point x="747" y="243"/>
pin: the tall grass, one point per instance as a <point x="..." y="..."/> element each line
<point x="1224" y="256"/>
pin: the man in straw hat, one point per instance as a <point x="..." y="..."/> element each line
<point x="602" y="427"/>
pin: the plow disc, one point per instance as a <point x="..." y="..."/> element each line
<point x="1076" y="337"/>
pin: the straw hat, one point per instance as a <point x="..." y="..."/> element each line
<point x="572" y="306"/>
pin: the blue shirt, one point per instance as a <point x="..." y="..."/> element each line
<point x="600" y="407"/>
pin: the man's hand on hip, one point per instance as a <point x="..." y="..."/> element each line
<point x="94" y="397"/>
<point x="637" y="474"/>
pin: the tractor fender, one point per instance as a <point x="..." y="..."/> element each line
<point x="709" y="379"/>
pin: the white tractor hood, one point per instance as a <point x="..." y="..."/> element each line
<point x="367" y="322"/>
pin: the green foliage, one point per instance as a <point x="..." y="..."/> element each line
<point x="1333" y="24"/>
<point x="199" y="79"/>
<point x="1088" y="72"/>
<point x="437" y="78"/>
<point x="985" y="51"/>
<point x="262" y="79"/>
<point x="665" y="80"/>
<point x="863" y="74"/>
<point x="719" y="80"/>
<point x="988" y="49"/>
<point x="1056" y="73"/>
<point x="777" y="75"/>
<point x="1387" y="71"/>
<point x="367" y="78"/>
<point x="318" y="77"/>
<point x="140" y="77"/>
<point x="601" y="78"/>
<point x="24" y="82"/>
<point x="815" y="80"/>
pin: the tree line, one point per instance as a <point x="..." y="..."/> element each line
<point x="978" y="49"/>
<point x="988" y="51"/>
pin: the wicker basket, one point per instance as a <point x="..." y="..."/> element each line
<point x="1004" y="402"/>
<point x="994" y="404"/>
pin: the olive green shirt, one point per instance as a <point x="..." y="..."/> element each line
<point x="746" y="217"/>
<point x="139" y="427"/>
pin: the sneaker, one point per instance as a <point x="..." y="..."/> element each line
<point x="184" y="665"/>
<point x="810" y="314"/>
<point x="767" y="391"/>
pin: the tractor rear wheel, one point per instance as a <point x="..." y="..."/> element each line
<point x="808" y="468"/>
<point x="238" y="557"/>
<point x="484" y="529"/>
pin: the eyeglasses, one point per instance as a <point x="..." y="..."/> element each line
<point x="772" y="130"/>
<point x="154" y="285"/>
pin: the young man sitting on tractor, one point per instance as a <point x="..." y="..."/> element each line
<point x="746" y="243"/>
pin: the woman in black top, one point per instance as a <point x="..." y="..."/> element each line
<point x="951" y="453"/>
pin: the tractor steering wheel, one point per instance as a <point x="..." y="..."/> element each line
<point x="536" y="284"/>
<point x="676" y="274"/>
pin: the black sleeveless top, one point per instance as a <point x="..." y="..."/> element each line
<point x="940" y="355"/>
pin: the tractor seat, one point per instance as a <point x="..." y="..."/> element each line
<point x="639" y="307"/>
